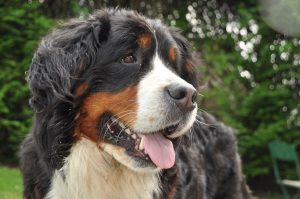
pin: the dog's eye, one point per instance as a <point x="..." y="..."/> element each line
<point x="130" y="59"/>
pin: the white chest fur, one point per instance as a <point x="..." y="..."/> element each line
<point x="92" y="174"/>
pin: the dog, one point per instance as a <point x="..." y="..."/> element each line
<point x="116" y="117"/>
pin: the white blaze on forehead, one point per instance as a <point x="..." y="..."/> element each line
<point x="152" y="105"/>
<point x="162" y="75"/>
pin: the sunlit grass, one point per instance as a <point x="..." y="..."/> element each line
<point x="10" y="183"/>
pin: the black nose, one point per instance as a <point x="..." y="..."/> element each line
<point x="184" y="97"/>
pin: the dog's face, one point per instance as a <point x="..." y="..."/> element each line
<point x="134" y="92"/>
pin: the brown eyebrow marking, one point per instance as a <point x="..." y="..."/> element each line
<point x="144" y="40"/>
<point x="188" y="67"/>
<point x="172" y="54"/>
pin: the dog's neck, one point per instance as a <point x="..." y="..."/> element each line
<point x="90" y="173"/>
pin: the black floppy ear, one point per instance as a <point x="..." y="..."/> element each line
<point x="61" y="58"/>
<point x="188" y="72"/>
<point x="55" y="72"/>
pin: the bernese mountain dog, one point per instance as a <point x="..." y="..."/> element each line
<point x="114" y="97"/>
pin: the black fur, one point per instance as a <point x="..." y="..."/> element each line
<point x="89" y="50"/>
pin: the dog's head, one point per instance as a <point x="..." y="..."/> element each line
<point x="119" y="79"/>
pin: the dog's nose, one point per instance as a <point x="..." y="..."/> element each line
<point x="184" y="97"/>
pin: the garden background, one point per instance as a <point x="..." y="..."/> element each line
<point x="249" y="72"/>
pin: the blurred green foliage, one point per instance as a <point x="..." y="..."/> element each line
<point x="21" y="28"/>
<point x="249" y="74"/>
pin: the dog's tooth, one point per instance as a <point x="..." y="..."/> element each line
<point x="127" y="131"/>
<point x="141" y="145"/>
<point x="133" y="136"/>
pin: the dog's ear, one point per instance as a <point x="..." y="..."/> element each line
<point x="188" y="71"/>
<point x="62" y="57"/>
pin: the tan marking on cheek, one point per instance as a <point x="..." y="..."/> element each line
<point x="188" y="67"/>
<point x="144" y="40"/>
<point x="122" y="104"/>
<point x="172" y="54"/>
<point x="81" y="89"/>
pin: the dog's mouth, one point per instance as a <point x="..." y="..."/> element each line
<point x="151" y="148"/>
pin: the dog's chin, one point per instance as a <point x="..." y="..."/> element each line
<point x="129" y="161"/>
<point x="128" y="147"/>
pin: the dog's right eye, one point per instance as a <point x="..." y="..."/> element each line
<point x="130" y="59"/>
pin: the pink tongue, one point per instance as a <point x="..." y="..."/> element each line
<point x="160" y="150"/>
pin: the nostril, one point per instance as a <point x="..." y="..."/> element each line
<point x="176" y="92"/>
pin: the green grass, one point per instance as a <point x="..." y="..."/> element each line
<point x="10" y="183"/>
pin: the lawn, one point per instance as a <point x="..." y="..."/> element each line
<point x="11" y="185"/>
